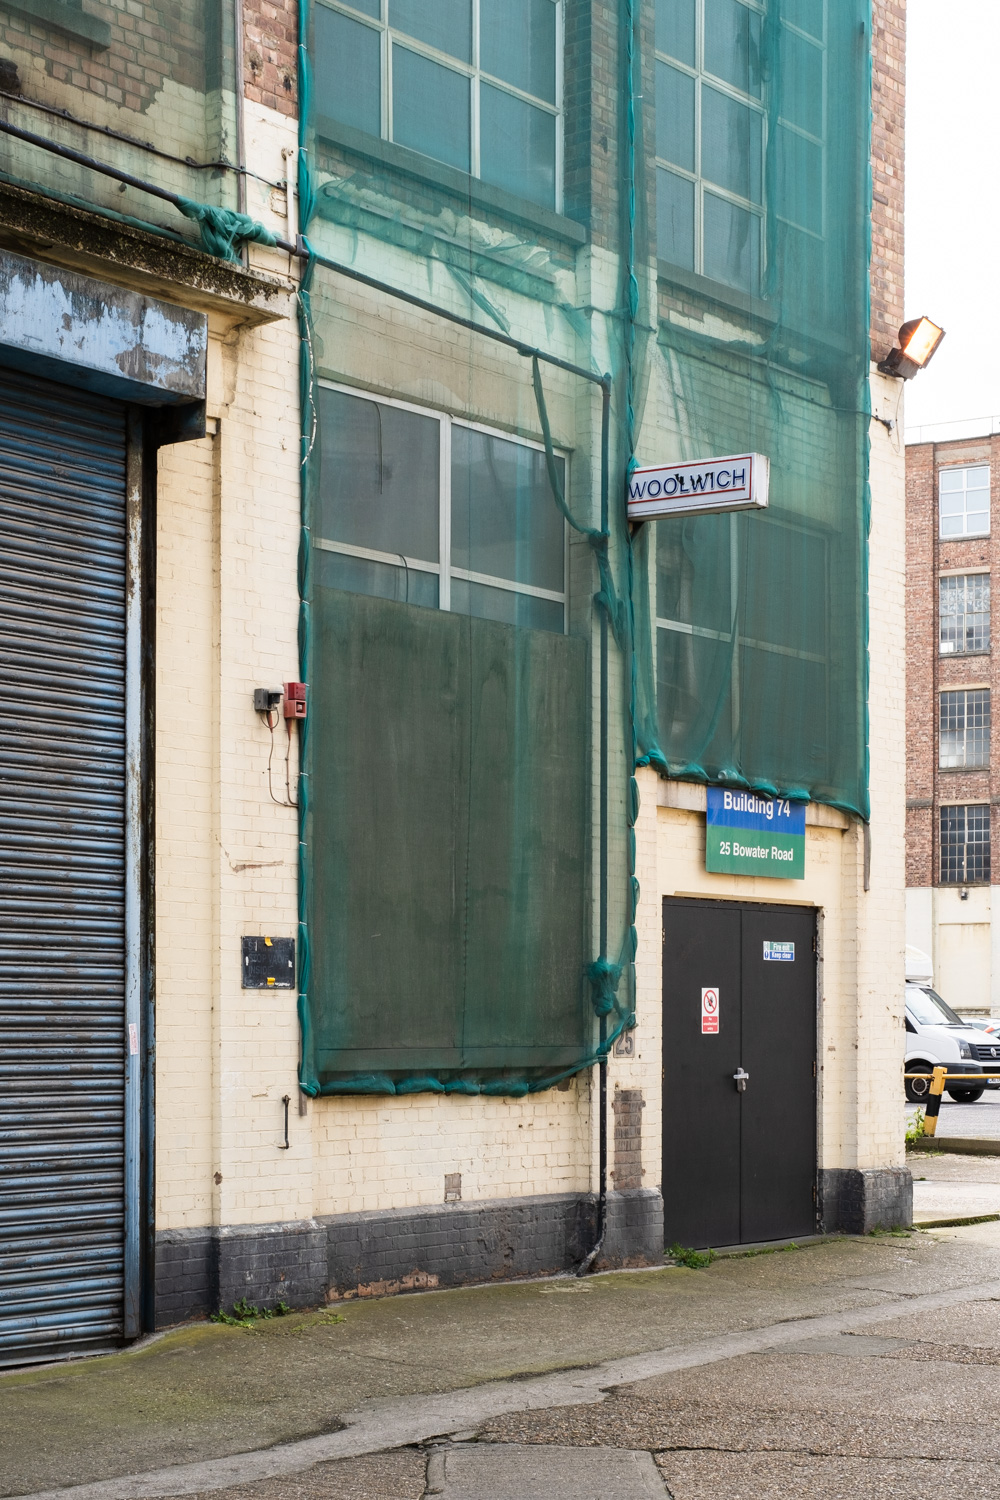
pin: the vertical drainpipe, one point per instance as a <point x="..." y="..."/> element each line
<point x="241" y="153"/>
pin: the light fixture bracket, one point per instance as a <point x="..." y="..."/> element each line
<point x="918" y="343"/>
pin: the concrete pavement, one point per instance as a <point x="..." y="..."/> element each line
<point x="948" y="1187"/>
<point x="850" y="1367"/>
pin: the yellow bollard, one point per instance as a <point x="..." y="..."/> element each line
<point x="934" y="1100"/>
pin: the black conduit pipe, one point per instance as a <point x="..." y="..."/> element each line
<point x="93" y="165"/>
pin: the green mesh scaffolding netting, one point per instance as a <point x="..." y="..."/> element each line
<point x="491" y="652"/>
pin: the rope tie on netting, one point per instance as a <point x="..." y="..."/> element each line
<point x="607" y="596"/>
<point x="223" y="231"/>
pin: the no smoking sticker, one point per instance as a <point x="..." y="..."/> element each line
<point x="709" y="1012"/>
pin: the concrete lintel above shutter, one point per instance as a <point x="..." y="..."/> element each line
<point x="102" y="337"/>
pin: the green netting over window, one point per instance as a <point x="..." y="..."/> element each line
<point x="490" y="652"/>
<point x="757" y="675"/>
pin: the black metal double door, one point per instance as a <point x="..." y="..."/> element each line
<point x="739" y="997"/>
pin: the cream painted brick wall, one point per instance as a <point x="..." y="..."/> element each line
<point x="881" y="919"/>
<point x="228" y="531"/>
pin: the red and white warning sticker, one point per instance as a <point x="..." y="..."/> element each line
<point x="710" y="1012"/>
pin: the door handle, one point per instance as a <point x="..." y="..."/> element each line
<point x="741" y="1079"/>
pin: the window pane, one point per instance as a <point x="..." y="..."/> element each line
<point x="444" y="24"/>
<point x="731" y="144"/>
<point x="807" y="15"/>
<point x="951" y="479"/>
<point x="507" y="607"/>
<point x="965" y="844"/>
<point x="965" y="729"/>
<point x="360" y="575"/>
<point x="517" y="146"/>
<point x="801" y="82"/>
<point x="964" y="614"/>
<point x="517" y="42"/>
<point x="675" y="29"/>
<point x="800" y="180"/>
<point x="675" y="116"/>
<point x="675" y="219"/>
<point x="348" y="71"/>
<point x="952" y="526"/>
<point x="504" y="520"/>
<point x="731" y="250"/>
<point x="732" y="44"/>
<point x="379" y="476"/>
<point x="441" y="131"/>
<point x="367" y="7"/>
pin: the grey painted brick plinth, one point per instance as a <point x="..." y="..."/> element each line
<point x="398" y="1250"/>
<point x="856" y="1201"/>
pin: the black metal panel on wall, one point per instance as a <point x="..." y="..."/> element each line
<point x="63" y="1036"/>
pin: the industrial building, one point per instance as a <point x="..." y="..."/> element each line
<point x="368" y="918"/>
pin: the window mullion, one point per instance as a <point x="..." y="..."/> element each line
<point x="474" y="144"/>
<point x="387" y="122"/>
<point x="560" y="83"/>
<point x="444" y="518"/>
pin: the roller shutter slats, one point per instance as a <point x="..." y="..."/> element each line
<point x="62" y="861"/>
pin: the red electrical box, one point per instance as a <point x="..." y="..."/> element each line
<point x="294" y="706"/>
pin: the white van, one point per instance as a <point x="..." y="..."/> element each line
<point x="937" y="1038"/>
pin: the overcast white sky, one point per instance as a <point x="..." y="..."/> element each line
<point x="953" y="204"/>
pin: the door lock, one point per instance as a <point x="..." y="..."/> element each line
<point x="741" y="1080"/>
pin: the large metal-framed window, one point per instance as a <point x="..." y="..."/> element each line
<point x="476" y="84"/>
<point x="965" y="728"/>
<point x="424" y="508"/>
<point x="965" y="844"/>
<point x="711" y="133"/>
<point x="964" y="501"/>
<point x="964" y="614"/>
<point x="687" y="626"/>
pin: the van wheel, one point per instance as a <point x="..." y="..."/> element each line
<point x="917" y="1089"/>
<point x="966" y="1096"/>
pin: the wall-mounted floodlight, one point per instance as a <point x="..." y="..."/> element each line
<point x="918" y="342"/>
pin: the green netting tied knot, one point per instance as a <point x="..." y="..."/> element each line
<point x="223" y="230"/>
<point x="605" y="978"/>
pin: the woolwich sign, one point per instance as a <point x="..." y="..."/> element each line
<point x="691" y="489"/>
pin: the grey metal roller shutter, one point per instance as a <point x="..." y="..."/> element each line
<point x="62" y="868"/>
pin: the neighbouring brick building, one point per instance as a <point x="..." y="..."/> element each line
<point x="952" y="770"/>
<point x="352" y="401"/>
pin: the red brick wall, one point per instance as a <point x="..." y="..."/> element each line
<point x="888" y="99"/>
<point x="929" y="673"/>
<point x="269" y="53"/>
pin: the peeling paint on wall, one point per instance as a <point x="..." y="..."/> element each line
<point x="136" y="346"/>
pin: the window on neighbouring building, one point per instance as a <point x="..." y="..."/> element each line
<point x="964" y="501"/>
<point x="473" y="83"/>
<point x="418" y="507"/>
<point x="965" y="728"/>
<point x="964" y="613"/>
<point x="965" y="844"/>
